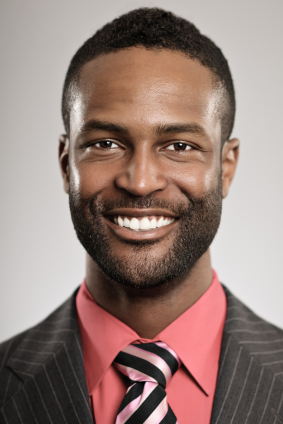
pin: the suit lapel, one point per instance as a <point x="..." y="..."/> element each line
<point x="50" y="364"/>
<point x="246" y="392"/>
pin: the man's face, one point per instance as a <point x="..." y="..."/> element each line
<point x="144" y="164"/>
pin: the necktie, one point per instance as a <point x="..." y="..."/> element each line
<point x="150" y="366"/>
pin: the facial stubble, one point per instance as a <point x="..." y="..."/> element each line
<point x="198" y="218"/>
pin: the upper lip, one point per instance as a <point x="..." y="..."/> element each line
<point x="140" y="212"/>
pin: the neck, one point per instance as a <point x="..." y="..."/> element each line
<point x="149" y="311"/>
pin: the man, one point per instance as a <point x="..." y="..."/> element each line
<point x="151" y="336"/>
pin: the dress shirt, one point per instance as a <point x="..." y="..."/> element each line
<point x="195" y="336"/>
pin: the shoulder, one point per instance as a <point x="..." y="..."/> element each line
<point x="58" y="321"/>
<point x="28" y="349"/>
<point x="261" y="339"/>
<point x="8" y="347"/>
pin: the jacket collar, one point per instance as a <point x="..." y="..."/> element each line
<point x="54" y="388"/>
<point x="247" y="391"/>
<point x="49" y="362"/>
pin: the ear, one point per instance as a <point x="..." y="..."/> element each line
<point x="64" y="160"/>
<point x="230" y="155"/>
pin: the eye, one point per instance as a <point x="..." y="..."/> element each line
<point x="106" y="144"/>
<point x="179" y="147"/>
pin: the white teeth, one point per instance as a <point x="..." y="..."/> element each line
<point x="126" y="222"/>
<point x="120" y="221"/>
<point x="134" y="224"/>
<point x="153" y="223"/>
<point x="160" y="222"/>
<point x="143" y="224"/>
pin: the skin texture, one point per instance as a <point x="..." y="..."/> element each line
<point x="143" y="92"/>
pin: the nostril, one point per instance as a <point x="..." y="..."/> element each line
<point x="141" y="184"/>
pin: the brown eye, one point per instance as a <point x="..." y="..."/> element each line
<point x="106" y="144"/>
<point x="179" y="147"/>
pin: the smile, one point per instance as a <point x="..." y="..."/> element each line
<point x="145" y="223"/>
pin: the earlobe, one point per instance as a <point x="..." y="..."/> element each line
<point x="64" y="160"/>
<point x="230" y="155"/>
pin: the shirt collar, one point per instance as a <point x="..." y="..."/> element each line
<point x="195" y="335"/>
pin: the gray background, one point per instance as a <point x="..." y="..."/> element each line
<point x="41" y="260"/>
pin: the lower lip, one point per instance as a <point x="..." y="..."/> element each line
<point x="127" y="234"/>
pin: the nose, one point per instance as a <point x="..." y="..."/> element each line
<point x="142" y="175"/>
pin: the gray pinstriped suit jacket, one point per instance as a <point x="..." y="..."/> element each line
<point x="42" y="377"/>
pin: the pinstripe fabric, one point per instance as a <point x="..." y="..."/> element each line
<point x="250" y="382"/>
<point x="47" y="384"/>
<point x="42" y="376"/>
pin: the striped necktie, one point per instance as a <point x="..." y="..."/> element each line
<point x="150" y="366"/>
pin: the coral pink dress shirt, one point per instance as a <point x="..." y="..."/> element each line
<point x="195" y="336"/>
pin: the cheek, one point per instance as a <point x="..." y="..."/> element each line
<point x="195" y="179"/>
<point x="91" y="178"/>
<point x="75" y="180"/>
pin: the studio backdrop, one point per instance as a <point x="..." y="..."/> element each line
<point x="41" y="260"/>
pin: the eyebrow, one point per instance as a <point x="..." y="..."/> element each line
<point x="192" y="128"/>
<point x="93" y="125"/>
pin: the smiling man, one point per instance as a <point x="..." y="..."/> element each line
<point x="151" y="336"/>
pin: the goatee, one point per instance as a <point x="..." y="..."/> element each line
<point x="199" y="220"/>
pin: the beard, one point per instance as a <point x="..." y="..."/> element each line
<point x="199" y="220"/>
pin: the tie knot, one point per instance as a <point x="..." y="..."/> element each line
<point x="155" y="362"/>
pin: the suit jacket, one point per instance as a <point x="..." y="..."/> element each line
<point x="42" y="378"/>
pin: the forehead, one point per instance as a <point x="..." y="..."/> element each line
<point x="137" y="84"/>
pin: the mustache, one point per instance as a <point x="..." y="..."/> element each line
<point x="103" y="207"/>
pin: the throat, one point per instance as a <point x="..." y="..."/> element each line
<point x="149" y="311"/>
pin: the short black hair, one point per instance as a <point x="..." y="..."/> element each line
<point x="154" y="28"/>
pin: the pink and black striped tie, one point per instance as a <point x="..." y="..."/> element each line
<point x="150" y="367"/>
